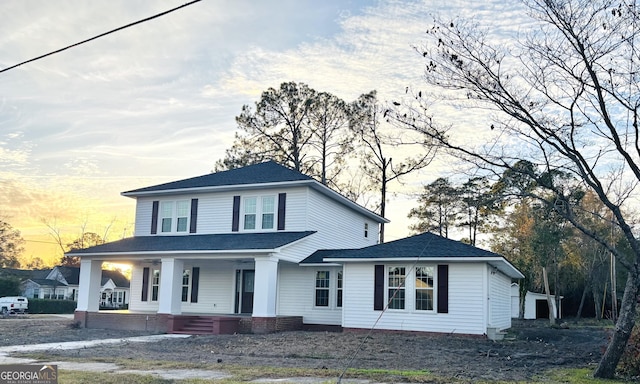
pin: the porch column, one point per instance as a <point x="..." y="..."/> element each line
<point x="264" y="297"/>
<point x="170" y="295"/>
<point x="89" y="285"/>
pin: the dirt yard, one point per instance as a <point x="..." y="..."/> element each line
<point x="530" y="349"/>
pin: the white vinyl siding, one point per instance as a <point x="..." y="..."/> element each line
<point x="135" y="289"/>
<point x="467" y="303"/>
<point x="499" y="300"/>
<point x="337" y="226"/>
<point x="215" y="288"/>
<point x="296" y="294"/>
<point x="306" y="210"/>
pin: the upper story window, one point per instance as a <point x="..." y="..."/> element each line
<point x="174" y="216"/>
<point x="366" y="230"/>
<point x="259" y="212"/>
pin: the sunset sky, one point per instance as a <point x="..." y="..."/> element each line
<point x="156" y="102"/>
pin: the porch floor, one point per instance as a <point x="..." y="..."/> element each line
<point x="187" y="323"/>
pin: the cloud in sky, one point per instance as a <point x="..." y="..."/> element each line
<point x="157" y="102"/>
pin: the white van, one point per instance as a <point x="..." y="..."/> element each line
<point x="13" y="304"/>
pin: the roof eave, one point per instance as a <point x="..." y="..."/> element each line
<point x="217" y="188"/>
<point x="499" y="262"/>
<point x="176" y="252"/>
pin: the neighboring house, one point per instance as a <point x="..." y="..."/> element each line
<point x="535" y="304"/>
<point x="265" y="248"/>
<point x="61" y="283"/>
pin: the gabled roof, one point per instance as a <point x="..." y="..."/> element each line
<point x="70" y="274"/>
<point x="262" y="173"/>
<point x="117" y="277"/>
<point x="48" y="283"/>
<point x="258" y="176"/>
<point x="426" y="246"/>
<point x="216" y="243"/>
<point x="25" y="273"/>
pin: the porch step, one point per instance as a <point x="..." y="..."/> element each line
<point x="197" y="326"/>
<point x="206" y="325"/>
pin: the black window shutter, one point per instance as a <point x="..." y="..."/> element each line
<point x="195" y="283"/>
<point x="145" y="284"/>
<point x="194" y="216"/>
<point x="154" y="217"/>
<point x="282" y="204"/>
<point x="378" y="290"/>
<point x="443" y="288"/>
<point x="235" y="223"/>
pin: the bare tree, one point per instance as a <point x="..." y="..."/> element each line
<point x="85" y="239"/>
<point x="11" y="245"/>
<point x="278" y="129"/>
<point x="566" y="97"/>
<point x="377" y="142"/>
<point x="329" y="119"/>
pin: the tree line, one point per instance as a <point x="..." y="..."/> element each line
<point x="348" y="146"/>
<point x="530" y="234"/>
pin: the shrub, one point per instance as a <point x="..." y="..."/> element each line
<point x="51" y="306"/>
<point x="9" y="286"/>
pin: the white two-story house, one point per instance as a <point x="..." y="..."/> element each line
<point x="265" y="248"/>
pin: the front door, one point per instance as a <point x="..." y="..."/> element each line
<point x="245" y="288"/>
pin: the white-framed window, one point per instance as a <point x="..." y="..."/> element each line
<point x="259" y="212"/>
<point x="366" y="230"/>
<point x="186" y="277"/>
<point x="396" y="287"/>
<point x="424" y="288"/>
<point x="155" y="285"/>
<point x="327" y="288"/>
<point x="174" y="216"/>
<point x="339" y="290"/>
<point x="322" y="288"/>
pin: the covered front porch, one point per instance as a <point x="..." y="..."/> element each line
<point x="188" y="323"/>
<point x="187" y="294"/>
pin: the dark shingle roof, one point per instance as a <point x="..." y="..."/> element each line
<point x="25" y="273"/>
<point x="117" y="277"/>
<point x="71" y="274"/>
<point x="267" y="172"/>
<point x="425" y="245"/>
<point x="48" y="282"/>
<point x="216" y="242"/>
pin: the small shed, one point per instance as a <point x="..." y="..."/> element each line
<point x="535" y="304"/>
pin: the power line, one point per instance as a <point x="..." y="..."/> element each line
<point x="100" y="35"/>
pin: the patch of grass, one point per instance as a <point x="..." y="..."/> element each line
<point x="410" y="376"/>
<point x="82" y="377"/>
<point x="579" y="376"/>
